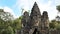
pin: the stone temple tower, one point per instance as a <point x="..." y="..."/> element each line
<point x="25" y="23"/>
<point x="35" y="23"/>
<point x="44" y="23"/>
<point x="35" y="17"/>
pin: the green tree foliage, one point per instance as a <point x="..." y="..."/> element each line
<point x="55" y="24"/>
<point x="52" y="24"/>
<point x="9" y="25"/>
<point x="6" y="16"/>
<point x="58" y="18"/>
<point x="58" y="26"/>
<point x="5" y="22"/>
<point x="8" y="30"/>
<point x="58" y="8"/>
<point x="16" y="24"/>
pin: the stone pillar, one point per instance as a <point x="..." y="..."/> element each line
<point x="45" y="23"/>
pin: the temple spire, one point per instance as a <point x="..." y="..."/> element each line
<point x="35" y="3"/>
<point x="35" y="10"/>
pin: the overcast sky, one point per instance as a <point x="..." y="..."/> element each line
<point x="15" y="6"/>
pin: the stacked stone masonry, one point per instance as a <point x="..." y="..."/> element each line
<point x="35" y="23"/>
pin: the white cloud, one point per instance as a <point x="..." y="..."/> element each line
<point x="25" y="4"/>
<point x="7" y="9"/>
<point x="49" y="6"/>
<point x="1" y="7"/>
<point x="57" y="2"/>
<point x="45" y="7"/>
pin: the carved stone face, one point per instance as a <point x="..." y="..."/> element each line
<point x="35" y="21"/>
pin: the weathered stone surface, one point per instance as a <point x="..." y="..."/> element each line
<point x="44" y="20"/>
<point x="45" y="23"/>
<point x="35" y="15"/>
<point x="25" y="18"/>
<point x="35" y="23"/>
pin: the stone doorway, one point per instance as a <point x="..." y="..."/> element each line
<point x="35" y="31"/>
